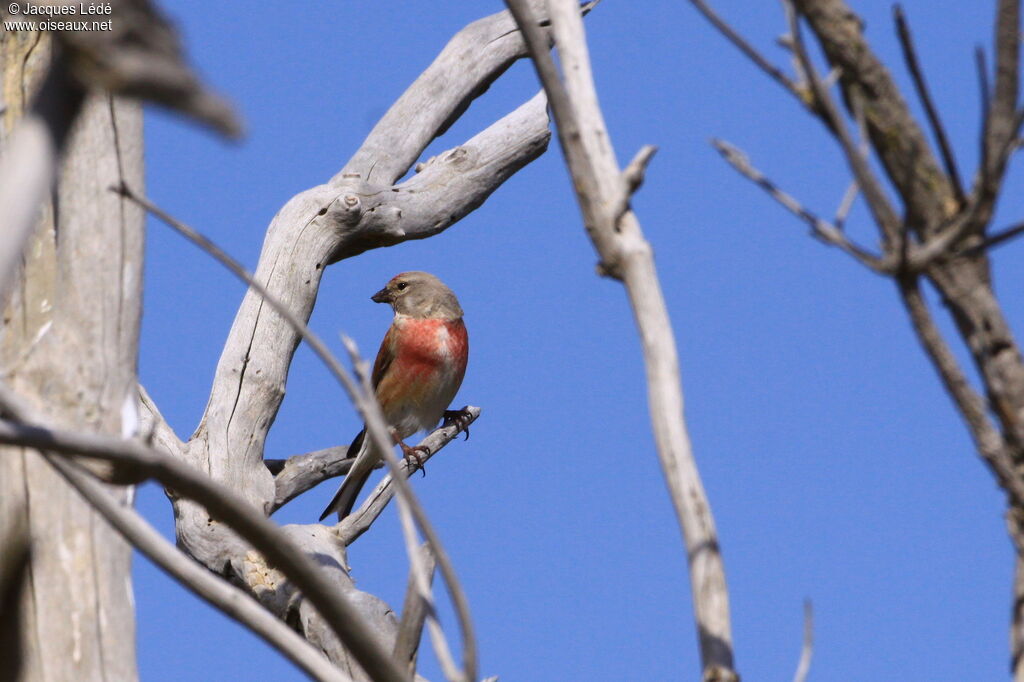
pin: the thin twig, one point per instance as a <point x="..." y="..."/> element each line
<point x="807" y="649"/>
<point x="632" y="178"/>
<point x="996" y="240"/>
<point x="878" y="203"/>
<point x="823" y="230"/>
<point x="359" y="521"/>
<point x="985" y="94"/>
<point x="633" y="173"/>
<point x="845" y="204"/>
<point x="365" y="403"/>
<point x="216" y="591"/>
<point x="747" y="49"/>
<point x="921" y="86"/>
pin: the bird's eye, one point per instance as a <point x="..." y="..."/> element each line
<point x="402" y="285"/>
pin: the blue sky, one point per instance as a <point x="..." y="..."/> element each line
<point x="836" y="466"/>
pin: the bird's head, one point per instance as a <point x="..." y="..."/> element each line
<point x="419" y="294"/>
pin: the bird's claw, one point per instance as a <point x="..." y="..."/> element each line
<point x="414" y="458"/>
<point x="460" y="418"/>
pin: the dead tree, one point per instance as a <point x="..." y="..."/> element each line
<point x="939" y="232"/>
<point x="67" y="323"/>
<point x="68" y="423"/>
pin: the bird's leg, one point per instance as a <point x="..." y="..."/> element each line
<point x="459" y="418"/>
<point x="412" y="455"/>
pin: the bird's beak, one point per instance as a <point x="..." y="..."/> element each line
<point x="382" y="296"/>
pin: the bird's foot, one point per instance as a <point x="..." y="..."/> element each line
<point x="413" y="456"/>
<point x="460" y="418"/>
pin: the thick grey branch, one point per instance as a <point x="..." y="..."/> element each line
<point x="446" y="187"/>
<point x="225" y="506"/>
<point x="896" y="137"/>
<point x="358" y="209"/>
<point x="299" y="473"/>
<point x="473" y="59"/>
<point x="28" y="167"/>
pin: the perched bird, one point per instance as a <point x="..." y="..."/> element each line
<point x="418" y="370"/>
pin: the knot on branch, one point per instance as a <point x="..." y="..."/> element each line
<point x="344" y="211"/>
<point x="458" y="156"/>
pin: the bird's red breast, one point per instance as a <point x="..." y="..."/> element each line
<point x="419" y="369"/>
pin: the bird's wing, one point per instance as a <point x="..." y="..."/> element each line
<point x="385" y="356"/>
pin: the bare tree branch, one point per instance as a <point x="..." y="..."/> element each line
<point x="414" y="614"/>
<point x="211" y="588"/>
<point x="28" y="167"/>
<point x="359" y="521"/>
<point x="626" y="255"/>
<point x="997" y="239"/>
<point x="826" y="232"/>
<point x="917" y="75"/>
<point x="985" y="100"/>
<point x="747" y="49"/>
<point x="951" y="248"/>
<point x="222" y="505"/>
<point x="142" y="59"/>
<point x="807" y="649"/>
<point x="845" y="204"/>
<point x="360" y="208"/>
<point x="447" y="187"/>
<point x="1001" y="127"/>
<point x="473" y="59"/>
<point x="299" y="473"/>
<point x="971" y="405"/>
<point x="897" y="139"/>
<point x="874" y="194"/>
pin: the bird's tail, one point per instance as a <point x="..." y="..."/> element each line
<point x="354" y="481"/>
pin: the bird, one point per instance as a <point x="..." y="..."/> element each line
<point x="419" y="369"/>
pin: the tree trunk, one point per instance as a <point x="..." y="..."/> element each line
<point x="69" y="344"/>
